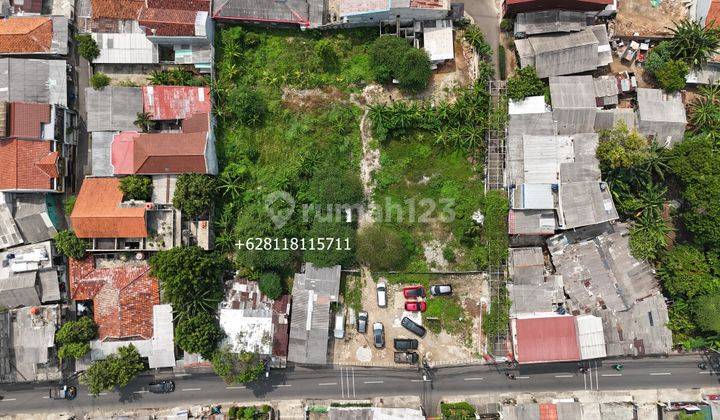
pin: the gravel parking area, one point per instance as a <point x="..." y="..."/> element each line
<point x="437" y="348"/>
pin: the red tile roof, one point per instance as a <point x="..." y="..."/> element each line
<point x="548" y="412"/>
<point x="24" y="165"/>
<point x="175" y="102"/>
<point x="549" y="339"/>
<point x="196" y="5"/>
<point x="26" y="119"/>
<point x="196" y="123"/>
<point x="713" y="16"/>
<point x="168" y="22"/>
<point x="97" y="212"/>
<point x="25" y="34"/>
<point x="159" y="153"/>
<point x="116" y="9"/>
<point x="123" y="297"/>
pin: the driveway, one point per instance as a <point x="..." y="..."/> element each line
<point x="487" y="16"/>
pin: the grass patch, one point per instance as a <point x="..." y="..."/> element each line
<point x="446" y="313"/>
<point x="351" y="287"/>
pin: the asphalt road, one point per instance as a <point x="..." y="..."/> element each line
<point x="487" y="17"/>
<point x="358" y="383"/>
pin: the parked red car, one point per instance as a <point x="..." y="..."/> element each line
<point x="415" y="306"/>
<point x="413" y="292"/>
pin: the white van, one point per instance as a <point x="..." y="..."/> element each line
<point x="339" y="326"/>
<point x="382" y="295"/>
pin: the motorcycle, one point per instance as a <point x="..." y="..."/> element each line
<point x="618" y="367"/>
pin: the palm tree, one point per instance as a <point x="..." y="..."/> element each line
<point x="158" y="77"/>
<point x="712" y="92"/>
<point x="694" y="43"/>
<point x="651" y="200"/>
<point x="656" y="162"/>
<point x="180" y="77"/>
<point x="143" y="121"/>
<point x="704" y="113"/>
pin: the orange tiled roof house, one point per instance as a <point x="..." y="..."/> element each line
<point x="36" y="141"/>
<point x="34" y="35"/>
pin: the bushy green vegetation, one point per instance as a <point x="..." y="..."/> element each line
<point x="671" y="75"/>
<point x="194" y="194"/>
<point x="70" y="245"/>
<point x="117" y="370"/>
<point x="177" y="77"/>
<point x="457" y="411"/>
<point x="310" y="150"/>
<point x="249" y="413"/>
<point x="87" y="47"/>
<point x="270" y="285"/>
<point x="234" y="367"/>
<point x="525" y="82"/>
<point x="394" y="58"/>
<point x="474" y="36"/>
<point x="99" y="80"/>
<point x="136" y="187"/>
<point x="351" y="287"/>
<point x="69" y="204"/>
<point x="73" y="337"/>
<point x="447" y="314"/>
<point x="498" y="317"/>
<point x="199" y="334"/>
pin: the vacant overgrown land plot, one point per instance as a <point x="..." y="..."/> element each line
<point x="287" y="123"/>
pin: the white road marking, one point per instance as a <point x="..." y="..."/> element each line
<point x="283" y="385"/>
<point x="234" y="387"/>
<point x="563" y="376"/>
<point x="597" y="378"/>
<point x="327" y="383"/>
<point x="342" y="387"/>
<point x="705" y="373"/>
<point x="611" y="374"/>
<point x="192" y="389"/>
<point x="143" y="392"/>
<point x="473" y="379"/>
<point x="353" y="380"/>
<point x="522" y="377"/>
<point x="8" y="399"/>
<point x="660" y="373"/>
<point x="373" y="382"/>
<point x="419" y="380"/>
<point x="45" y="397"/>
<point x="180" y="375"/>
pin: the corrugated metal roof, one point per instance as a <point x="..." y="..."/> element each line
<point x="537" y="196"/>
<point x="113" y="108"/>
<point x="439" y="43"/>
<point x="549" y="21"/>
<point x="542" y="156"/>
<point x="590" y="337"/>
<point x="529" y="105"/>
<point x="125" y="48"/>
<point x="546" y="339"/>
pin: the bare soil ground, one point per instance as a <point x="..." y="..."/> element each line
<point x="440" y="348"/>
<point x="639" y="16"/>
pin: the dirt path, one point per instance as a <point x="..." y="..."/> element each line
<point x="369" y="164"/>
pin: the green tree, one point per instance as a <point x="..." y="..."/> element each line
<point x="414" y="70"/>
<point x="87" y="47"/>
<point x="648" y="236"/>
<point x="99" y="80"/>
<point x="117" y="370"/>
<point x="270" y="285"/>
<point x="525" y="82"/>
<point x="672" y="74"/>
<point x="190" y="279"/>
<point x="243" y="367"/>
<point x="233" y="179"/>
<point x="74" y="350"/>
<point x="328" y="55"/>
<point x="247" y="106"/>
<point x="658" y="56"/>
<point x="385" y="53"/>
<point x="621" y="148"/>
<point x="707" y="313"/>
<point x="381" y="248"/>
<point x="685" y="273"/>
<point x="143" y="121"/>
<point x="70" y="245"/>
<point x="694" y="43"/>
<point x="704" y="114"/>
<point x="254" y="222"/>
<point x="334" y="185"/>
<point x="80" y="331"/>
<point x="336" y="251"/>
<point x="194" y="194"/>
<point x="136" y="187"/>
<point x="198" y="334"/>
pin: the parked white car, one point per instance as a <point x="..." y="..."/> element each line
<point x="382" y="295"/>
<point x="339" y="326"/>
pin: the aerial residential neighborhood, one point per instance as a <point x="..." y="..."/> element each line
<point x="360" y="209"/>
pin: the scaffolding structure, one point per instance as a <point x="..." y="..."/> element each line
<point x="497" y="346"/>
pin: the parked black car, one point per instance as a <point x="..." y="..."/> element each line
<point x="162" y="387"/>
<point x="379" y="335"/>
<point x="406" y="357"/>
<point x="362" y="322"/>
<point x="441" y="290"/>
<point x="414" y="328"/>
<point x="405" y="344"/>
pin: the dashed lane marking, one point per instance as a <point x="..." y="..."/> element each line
<point x="8" y="399"/>
<point x="327" y="384"/>
<point x="473" y="379"/>
<point x="141" y="392"/>
<point x="611" y="374"/>
<point x="522" y="377"/>
<point x="563" y="376"/>
<point x="373" y="382"/>
<point x="234" y="387"/>
<point x="192" y="389"/>
<point x="282" y="385"/>
<point x="660" y="373"/>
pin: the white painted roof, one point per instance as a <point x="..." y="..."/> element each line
<point x="590" y="337"/>
<point x="438" y="42"/>
<point x="247" y="332"/>
<point x="529" y="105"/>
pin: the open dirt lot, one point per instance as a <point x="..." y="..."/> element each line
<point x="443" y="348"/>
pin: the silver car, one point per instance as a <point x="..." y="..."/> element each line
<point x="378" y="335"/>
<point x="362" y="322"/>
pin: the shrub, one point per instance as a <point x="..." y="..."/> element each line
<point x="449" y="254"/>
<point x="381" y="248"/>
<point x="194" y="194"/>
<point x="457" y="411"/>
<point x="329" y="58"/>
<point x="70" y="245"/>
<point x="657" y="57"/>
<point x="234" y="367"/>
<point x="99" y="80"/>
<point x="116" y="370"/>
<point x="671" y="75"/>
<point x="507" y="25"/>
<point x="414" y="70"/>
<point x="502" y="62"/>
<point x="198" y="334"/>
<point x="87" y="47"/>
<point x="385" y="53"/>
<point x="474" y="36"/>
<point x="69" y="204"/>
<point x="340" y="250"/>
<point x="707" y="311"/>
<point x="247" y="106"/>
<point x="74" y="350"/>
<point x="271" y="285"/>
<point x="136" y="187"/>
<point x="525" y="82"/>
<point x="80" y="331"/>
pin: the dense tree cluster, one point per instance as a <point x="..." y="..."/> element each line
<point x="73" y="337"/>
<point x="394" y="58"/>
<point x="117" y="370"/>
